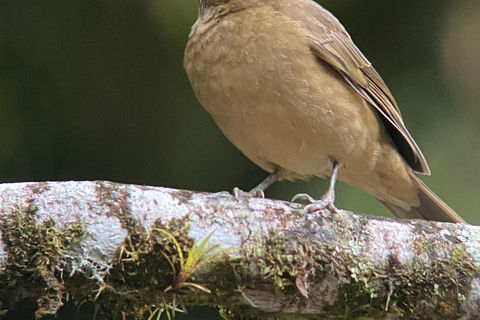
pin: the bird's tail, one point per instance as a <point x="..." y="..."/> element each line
<point x="431" y="206"/>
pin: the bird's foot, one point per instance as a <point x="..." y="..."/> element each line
<point x="257" y="192"/>
<point x="326" y="202"/>
<point x="254" y="193"/>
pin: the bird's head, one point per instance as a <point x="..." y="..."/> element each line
<point x="233" y="5"/>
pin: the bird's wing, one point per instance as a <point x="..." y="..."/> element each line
<point x="337" y="49"/>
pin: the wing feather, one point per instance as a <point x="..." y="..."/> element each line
<point x="338" y="50"/>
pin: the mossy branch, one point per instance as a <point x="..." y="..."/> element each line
<point x="134" y="249"/>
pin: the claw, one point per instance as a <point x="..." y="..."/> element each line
<point x="303" y="198"/>
<point x="326" y="202"/>
<point x="257" y="192"/>
<point x="328" y="199"/>
<point x="254" y="193"/>
<point x="322" y="204"/>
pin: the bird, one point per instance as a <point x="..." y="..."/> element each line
<point x="288" y="87"/>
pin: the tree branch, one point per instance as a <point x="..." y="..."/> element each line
<point x="135" y="248"/>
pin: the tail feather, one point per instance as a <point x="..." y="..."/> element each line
<point x="431" y="206"/>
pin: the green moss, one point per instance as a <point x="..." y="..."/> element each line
<point x="406" y="291"/>
<point x="138" y="279"/>
<point x="33" y="251"/>
<point x="278" y="264"/>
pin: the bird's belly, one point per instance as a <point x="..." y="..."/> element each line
<point x="274" y="143"/>
<point x="301" y="144"/>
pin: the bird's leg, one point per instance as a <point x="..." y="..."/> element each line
<point x="268" y="181"/>
<point x="257" y="192"/>
<point x="327" y="201"/>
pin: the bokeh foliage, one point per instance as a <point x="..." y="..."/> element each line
<point x="93" y="89"/>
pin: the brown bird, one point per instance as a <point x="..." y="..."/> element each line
<point x="287" y="85"/>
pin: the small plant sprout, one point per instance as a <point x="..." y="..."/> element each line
<point x="197" y="256"/>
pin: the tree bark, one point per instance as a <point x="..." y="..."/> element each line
<point x="138" y="248"/>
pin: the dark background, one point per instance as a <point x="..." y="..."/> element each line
<point x="93" y="89"/>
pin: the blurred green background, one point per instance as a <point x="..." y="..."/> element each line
<point x="93" y="89"/>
